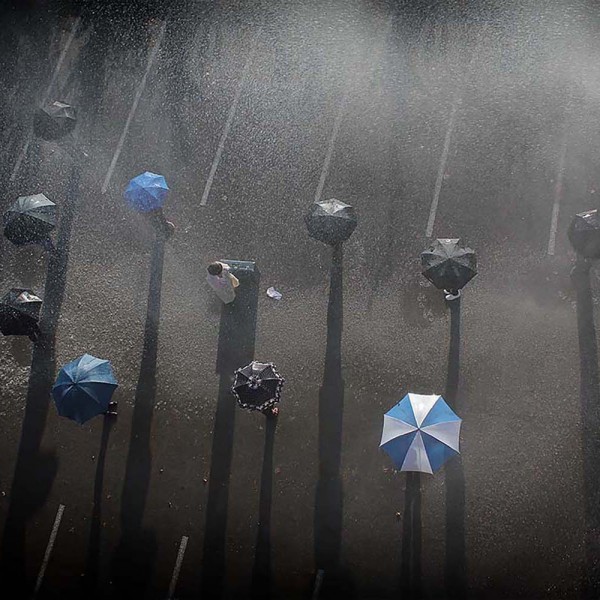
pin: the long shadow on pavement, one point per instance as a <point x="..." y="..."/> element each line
<point x="236" y="348"/>
<point x="134" y="558"/>
<point x="329" y="494"/>
<point x="589" y="389"/>
<point x="261" y="573"/>
<point x="92" y="566"/>
<point x="410" y="569"/>
<point x="34" y="471"/>
<point x="456" y="561"/>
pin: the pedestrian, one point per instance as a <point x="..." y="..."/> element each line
<point x="222" y="281"/>
<point x="271" y="411"/>
<point x="163" y="227"/>
<point x="257" y="386"/>
<point x="112" y="409"/>
<point x="35" y="333"/>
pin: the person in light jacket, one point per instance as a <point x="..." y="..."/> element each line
<point x="222" y="281"/>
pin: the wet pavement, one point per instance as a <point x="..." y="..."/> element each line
<point x="477" y="121"/>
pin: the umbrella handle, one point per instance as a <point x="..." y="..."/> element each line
<point x="452" y="294"/>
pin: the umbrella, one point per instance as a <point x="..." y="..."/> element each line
<point x="331" y="221"/>
<point x="449" y="265"/>
<point x="584" y="234"/>
<point x="19" y="312"/>
<point x="83" y="388"/>
<point x="257" y="386"/>
<point x="146" y="192"/>
<point x="54" y="121"/>
<point x="420" y="433"/>
<point x="30" y="220"/>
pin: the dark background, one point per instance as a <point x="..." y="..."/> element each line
<point x="181" y="459"/>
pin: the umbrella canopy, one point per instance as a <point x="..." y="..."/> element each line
<point x="330" y="221"/>
<point x="19" y="312"/>
<point x="146" y="192"/>
<point x="30" y="220"/>
<point x="420" y="433"/>
<point x="257" y="386"/>
<point x="54" y="121"/>
<point x="449" y="265"/>
<point x="83" y="388"/>
<point x="584" y="234"/>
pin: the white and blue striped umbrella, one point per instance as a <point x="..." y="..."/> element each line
<point x="420" y="433"/>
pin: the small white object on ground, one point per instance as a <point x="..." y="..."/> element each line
<point x="273" y="293"/>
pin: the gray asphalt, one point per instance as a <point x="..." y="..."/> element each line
<point x="526" y="77"/>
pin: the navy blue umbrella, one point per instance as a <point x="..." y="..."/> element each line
<point x="83" y="388"/>
<point x="146" y="192"/>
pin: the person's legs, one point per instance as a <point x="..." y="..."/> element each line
<point x="48" y="244"/>
<point x="169" y="228"/>
<point x="34" y="333"/>
<point x="160" y="223"/>
<point x="271" y="411"/>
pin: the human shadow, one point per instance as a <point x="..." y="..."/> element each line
<point x="134" y="558"/>
<point x="261" y="572"/>
<point x="237" y="335"/>
<point x="34" y="470"/>
<point x="456" y="561"/>
<point x="410" y="569"/>
<point x="92" y="567"/>
<point x="329" y="493"/>
<point x="589" y="391"/>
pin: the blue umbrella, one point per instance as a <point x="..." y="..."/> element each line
<point x="83" y="388"/>
<point x="420" y="433"/>
<point x="146" y="192"/>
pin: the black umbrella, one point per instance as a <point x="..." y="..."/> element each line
<point x="449" y="265"/>
<point x="19" y="312"/>
<point x="257" y="386"/>
<point x="30" y="220"/>
<point x="331" y="221"/>
<point x="584" y="234"/>
<point x="54" y="121"/>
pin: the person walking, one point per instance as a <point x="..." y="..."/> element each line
<point x="158" y="220"/>
<point x="222" y="281"/>
<point x="271" y="411"/>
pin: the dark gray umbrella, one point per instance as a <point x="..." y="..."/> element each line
<point x="330" y="221"/>
<point x="449" y="265"/>
<point x="19" y="312"/>
<point x="54" y="121"/>
<point x="30" y="220"/>
<point x="257" y="386"/>
<point x="584" y="234"/>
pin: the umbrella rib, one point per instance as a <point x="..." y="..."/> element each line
<point x="81" y="388"/>
<point x="437" y="439"/>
